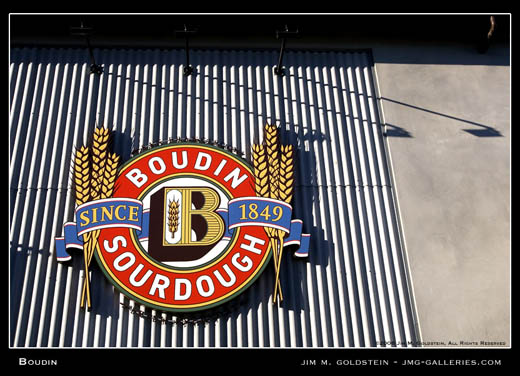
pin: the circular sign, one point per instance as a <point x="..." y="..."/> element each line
<point x="177" y="252"/>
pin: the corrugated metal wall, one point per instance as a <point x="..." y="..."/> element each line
<point x="352" y="291"/>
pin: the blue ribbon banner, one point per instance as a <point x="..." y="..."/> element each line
<point x="100" y="214"/>
<point x="127" y="212"/>
<point x="266" y="212"/>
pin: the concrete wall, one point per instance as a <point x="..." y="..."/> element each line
<point x="446" y="111"/>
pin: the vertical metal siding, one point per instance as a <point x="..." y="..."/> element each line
<point x="351" y="292"/>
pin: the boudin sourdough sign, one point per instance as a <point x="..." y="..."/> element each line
<point x="183" y="226"/>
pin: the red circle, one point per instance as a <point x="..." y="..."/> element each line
<point x="163" y="285"/>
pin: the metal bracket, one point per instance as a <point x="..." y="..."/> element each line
<point x="86" y="32"/>
<point x="188" y="69"/>
<point x="284" y="34"/>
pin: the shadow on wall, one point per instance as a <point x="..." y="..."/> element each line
<point x="430" y="53"/>
<point x="395" y="131"/>
<point x="391" y="130"/>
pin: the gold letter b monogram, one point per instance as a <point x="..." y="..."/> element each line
<point x="198" y="215"/>
<point x="184" y="225"/>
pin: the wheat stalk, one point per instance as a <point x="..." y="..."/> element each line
<point x="285" y="192"/>
<point x="103" y="173"/>
<point x="109" y="175"/>
<point x="261" y="167"/>
<point x="82" y="175"/>
<point x="260" y="172"/>
<point x="99" y="159"/>
<point x="106" y="189"/>
<point x="173" y="216"/>
<point x="272" y="146"/>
